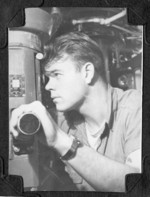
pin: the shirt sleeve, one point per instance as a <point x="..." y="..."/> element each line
<point x="133" y="131"/>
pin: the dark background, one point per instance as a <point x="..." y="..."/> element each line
<point x="12" y="15"/>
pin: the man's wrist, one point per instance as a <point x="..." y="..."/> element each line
<point x="63" y="143"/>
<point x="71" y="153"/>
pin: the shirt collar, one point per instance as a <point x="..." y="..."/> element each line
<point x="112" y="105"/>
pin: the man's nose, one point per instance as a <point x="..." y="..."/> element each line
<point x="49" y="85"/>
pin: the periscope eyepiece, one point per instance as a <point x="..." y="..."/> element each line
<point x="28" y="124"/>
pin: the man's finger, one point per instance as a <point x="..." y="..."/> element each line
<point x="14" y="132"/>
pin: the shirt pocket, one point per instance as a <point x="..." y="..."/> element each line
<point x="76" y="178"/>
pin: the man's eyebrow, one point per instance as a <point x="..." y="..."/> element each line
<point x="51" y="72"/>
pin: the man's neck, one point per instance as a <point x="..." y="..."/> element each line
<point x="95" y="108"/>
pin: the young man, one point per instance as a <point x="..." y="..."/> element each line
<point x="98" y="129"/>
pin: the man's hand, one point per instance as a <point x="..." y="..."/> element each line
<point x="49" y="126"/>
<point x="53" y="136"/>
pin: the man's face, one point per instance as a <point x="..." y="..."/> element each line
<point x="66" y="84"/>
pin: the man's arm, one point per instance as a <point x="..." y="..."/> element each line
<point x="134" y="159"/>
<point x="100" y="172"/>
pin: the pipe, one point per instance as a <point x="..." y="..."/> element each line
<point x="102" y="21"/>
<point x="126" y="30"/>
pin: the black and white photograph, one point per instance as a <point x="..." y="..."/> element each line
<point x="75" y="99"/>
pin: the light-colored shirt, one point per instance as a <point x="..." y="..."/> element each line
<point x="122" y="133"/>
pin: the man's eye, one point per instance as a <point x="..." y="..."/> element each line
<point x="55" y="74"/>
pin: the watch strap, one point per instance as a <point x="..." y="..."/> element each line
<point x="73" y="149"/>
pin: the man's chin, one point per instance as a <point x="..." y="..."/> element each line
<point x="60" y="109"/>
<point x="63" y="109"/>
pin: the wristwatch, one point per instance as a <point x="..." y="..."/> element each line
<point x="72" y="151"/>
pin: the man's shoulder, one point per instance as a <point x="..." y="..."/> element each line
<point x="131" y="99"/>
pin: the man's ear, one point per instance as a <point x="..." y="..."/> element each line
<point x="88" y="72"/>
